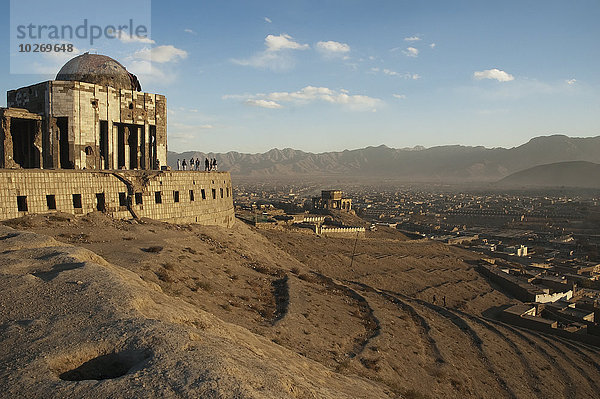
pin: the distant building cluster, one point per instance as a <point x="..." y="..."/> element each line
<point x="283" y="210"/>
<point x="332" y="199"/>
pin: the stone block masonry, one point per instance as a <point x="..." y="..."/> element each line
<point x="172" y="196"/>
<point x="340" y="231"/>
<point x="84" y="126"/>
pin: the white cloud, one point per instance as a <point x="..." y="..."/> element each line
<point x="125" y="37"/>
<point x="389" y="72"/>
<point x="53" y="61"/>
<point x="187" y="127"/>
<point x="190" y="31"/>
<point x="399" y="96"/>
<point x="496" y="74"/>
<point x="412" y="39"/>
<point x="275" y="61"/>
<point x="262" y="103"/>
<point x="432" y="45"/>
<point x="311" y="94"/>
<point x="411" y="52"/>
<point x="332" y="48"/>
<point x="235" y="96"/>
<point x="267" y="19"/>
<point x="150" y="74"/>
<point x="520" y="88"/>
<point x="571" y="81"/>
<point x="283" y="42"/>
<point x="276" y="56"/>
<point x="155" y="66"/>
<point x="161" y="54"/>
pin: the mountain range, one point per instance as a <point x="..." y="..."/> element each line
<point x="451" y="163"/>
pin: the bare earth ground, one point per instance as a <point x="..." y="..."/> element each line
<point x="318" y="327"/>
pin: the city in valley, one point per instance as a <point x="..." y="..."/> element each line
<point x="538" y="246"/>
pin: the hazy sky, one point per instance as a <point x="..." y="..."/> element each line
<point x="332" y="75"/>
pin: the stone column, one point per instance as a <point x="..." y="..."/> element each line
<point x="113" y="146"/>
<point x="146" y="147"/>
<point x="126" y="145"/>
<point x="139" y="143"/>
<point x="3" y="135"/>
<point x="37" y="143"/>
<point x="7" y="152"/>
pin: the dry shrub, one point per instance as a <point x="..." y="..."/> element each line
<point x="309" y="278"/>
<point x="164" y="276"/>
<point x="204" y="285"/>
<point x="371" y="364"/>
<point x="413" y="394"/>
<point x="154" y="249"/>
<point x="168" y="266"/>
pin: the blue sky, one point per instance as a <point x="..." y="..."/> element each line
<point x="332" y="75"/>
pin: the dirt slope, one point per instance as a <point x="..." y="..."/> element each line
<point x="376" y="319"/>
<point x="69" y="318"/>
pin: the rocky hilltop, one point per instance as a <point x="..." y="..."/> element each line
<point x="70" y="319"/>
<point x="95" y="307"/>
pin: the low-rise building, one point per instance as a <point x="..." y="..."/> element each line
<point x="332" y="199"/>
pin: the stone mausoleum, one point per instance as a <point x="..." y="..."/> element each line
<point x="332" y="199"/>
<point x="92" y="140"/>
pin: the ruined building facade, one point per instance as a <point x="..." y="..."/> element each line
<point x="332" y="199"/>
<point x="91" y="117"/>
<point x="91" y="140"/>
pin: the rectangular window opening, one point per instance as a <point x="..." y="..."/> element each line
<point x="214" y="193"/>
<point x="51" y="202"/>
<point x="22" y="203"/>
<point x="122" y="199"/>
<point x="138" y="199"/>
<point x="158" y="197"/>
<point x="100" y="202"/>
<point x="191" y="195"/>
<point x="176" y="196"/>
<point x="221" y="189"/>
<point x="77" y="201"/>
<point x="203" y="192"/>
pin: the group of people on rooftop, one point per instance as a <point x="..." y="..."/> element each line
<point x="209" y="164"/>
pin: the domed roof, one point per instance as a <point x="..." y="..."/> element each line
<point x="100" y="70"/>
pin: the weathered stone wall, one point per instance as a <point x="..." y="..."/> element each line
<point x="123" y="191"/>
<point x="85" y="105"/>
<point x="341" y="231"/>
